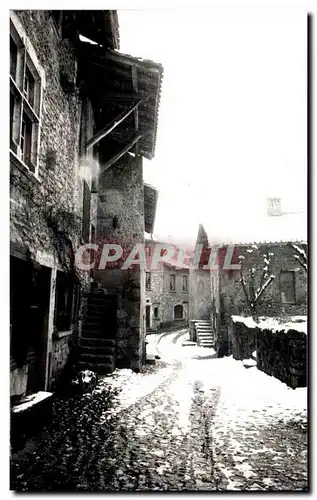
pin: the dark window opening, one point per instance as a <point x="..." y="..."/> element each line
<point x="287" y="287"/>
<point x="172" y="282"/>
<point x="148" y="281"/>
<point x="13" y="58"/>
<point x="178" y="312"/>
<point x="155" y="312"/>
<point x="63" y="302"/>
<point x="185" y="283"/>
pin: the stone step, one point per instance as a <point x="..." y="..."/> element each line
<point x="100" y="300"/>
<point x="93" y="341"/>
<point x="103" y="350"/>
<point x="101" y="368"/>
<point x="205" y="332"/>
<point x="91" y="331"/>
<point x="203" y="327"/>
<point x="93" y="318"/>
<point x="97" y="358"/>
<point x="96" y="308"/>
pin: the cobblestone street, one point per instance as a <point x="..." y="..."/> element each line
<point x="192" y="422"/>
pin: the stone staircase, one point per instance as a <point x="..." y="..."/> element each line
<point x="97" y="344"/>
<point x="204" y="334"/>
<point x="149" y="331"/>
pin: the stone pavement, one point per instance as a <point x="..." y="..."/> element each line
<point x="192" y="422"/>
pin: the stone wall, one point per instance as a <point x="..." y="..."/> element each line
<point x="231" y="294"/>
<point x="121" y="221"/>
<point x="200" y="294"/>
<point x="164" y="299"/>
<point x="59" y="136"/>
<point x="281" y="353"/>
<point x="59" y="180"/>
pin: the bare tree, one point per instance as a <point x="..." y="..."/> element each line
<point x="300" y="256"/>
<point x="252" y="292"/>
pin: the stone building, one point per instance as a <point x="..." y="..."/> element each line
<point x="285" y="296"/>
<point x="82" y="116"/>
<point x="167" y="293"/>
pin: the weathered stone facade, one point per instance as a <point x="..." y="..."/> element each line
<point x="121" y="221"/>
<point x="161" y="300"/>
<point x="49" y="201"/>
<point x="273" y="302"/>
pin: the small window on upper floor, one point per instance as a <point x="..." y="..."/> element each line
<point x="185" y="283"/>
<point x="172" y="282"/>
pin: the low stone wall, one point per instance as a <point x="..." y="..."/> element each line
<point x="281" y="351"/>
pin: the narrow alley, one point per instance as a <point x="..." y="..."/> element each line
<point x="190" y="422"/>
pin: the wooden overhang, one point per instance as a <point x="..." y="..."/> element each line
<point x="125" y="94"/>
<point x="150" y="203"/>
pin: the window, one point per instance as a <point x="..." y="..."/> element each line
<point x="185" y="283"/>
<point x="25" y="101"/>
<point x="155" y="312"/>
<point x="287" y="287"/>
<point x="148" y="281"/>
<point x="178" y="311"/>
<point x="63" y="302"/>
<point x="172" y="282"/>
<point x="13" y="58"/>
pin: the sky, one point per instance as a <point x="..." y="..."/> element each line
<point x="232" y="120"/>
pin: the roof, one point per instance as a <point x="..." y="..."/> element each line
<point x="116" y="82"/>
<point x="100" y="26"/>
<point x="150" y="202"/>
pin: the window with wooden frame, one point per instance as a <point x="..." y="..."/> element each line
<point x="172" y="282"/>
<point x="25" y="102"/>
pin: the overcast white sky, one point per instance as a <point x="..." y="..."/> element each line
<point x="232" y="120"/>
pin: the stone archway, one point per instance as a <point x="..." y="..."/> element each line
<point x="178" y="311"/>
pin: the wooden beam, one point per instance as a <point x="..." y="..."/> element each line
<point x="115" y="158"/>
<point x="131" y="61"/>
<point x="136" y="112"/>
<point x="121" y="97"/>
<point x="110" y="126"/>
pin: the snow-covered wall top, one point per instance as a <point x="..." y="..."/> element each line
<point x="298" y="323"/>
